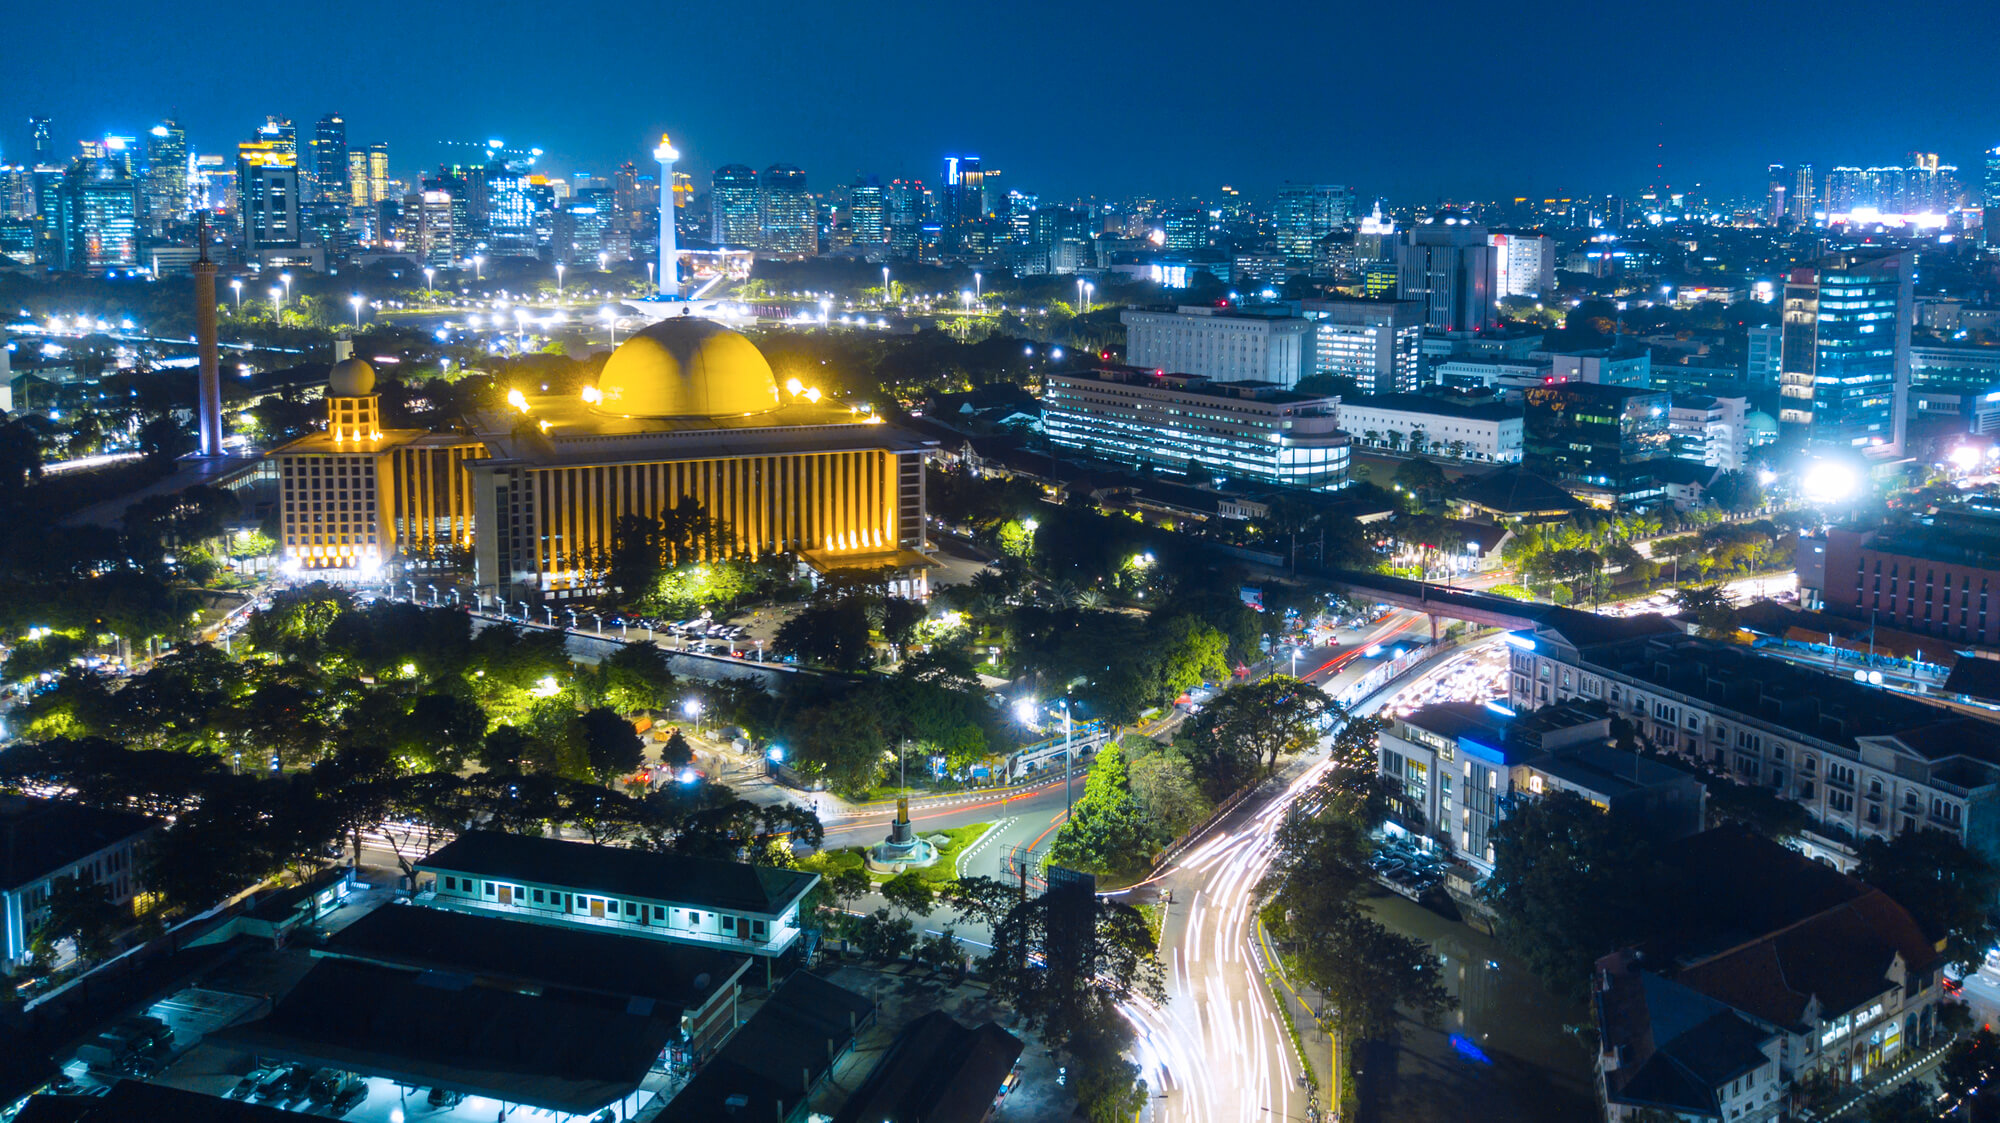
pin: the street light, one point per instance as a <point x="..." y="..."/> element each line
<point x="692" y="708"/>
<point x="276" y="293"/>
<point x="978" y="291"/>
<point x="428" y="274"/>
<point x="549" y="613"/>
<point x="478" y="265"/>
<point x="649" y="276"/>
<point x="885" y="286"/>
<point x="1080" y="286"/>
<point x="611" y="325"/>
<point x="236" y="283"/>
<point x="287" y="278"/>
<point x="559" y="287"/>
<point x="357" y="302"/>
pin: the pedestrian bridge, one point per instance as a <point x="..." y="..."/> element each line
<point x="1434" y="600"/>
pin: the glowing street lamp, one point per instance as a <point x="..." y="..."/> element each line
<point x="649" y="276"/>
<point x="1829" y="481"/>
<point x="428" y="274"/>
<point x="287" y="278"/>
<point x="692" y="708"/>
<point x="610" y="325"/>
<point x="978" y="292"/>
<point x="520" y="330"/>
<point x="478" y="265"/>
<point x="603" y="263"/>
<point x="276" y="294"/>
<point x="356" y="301"/>
<point x="236" y="283"/>
<point x="885" y="286"/>
<point x="559" y="283"/>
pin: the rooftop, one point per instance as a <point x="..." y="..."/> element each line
<point x="1515" y="491"/>
<point x="777" y="1057"/>
<point x="130" y="1101"/>
<point x="1676" y="1046"/>
<point x="1441" y="407"/>
<point x="1270" y="392"/>
<point x="938" y="1070"/>
<point x="38" y="837"/>
<point x="708" y="882"/>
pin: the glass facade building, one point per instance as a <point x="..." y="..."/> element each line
<point x="1844" y="371"/>
<point x="1254" y="431"/>
<point x="733" y="199"/>
<point x="1598" y="441"/>
<point x="789" y="217"/>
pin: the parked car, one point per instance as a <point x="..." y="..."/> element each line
<point x="345" y="1099"/>
<point x="444" y="1097"/>
<point x="247" y="1087"/>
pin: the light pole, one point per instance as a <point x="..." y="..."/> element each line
<point x="559" y="280"/>
<point x="825" y="309"/>
<point x="478" y="267"/>
<point x="276" y="293"/>
<point x="964" y="314"/>
<point x="357" y="302"/>
<point x="287" y="278"/>
<point x="692" y="708"/>
<point x="236" y="284"/>
<point x="649" y="276"/>
<point x="429" y="273"/>
<point x="1069" y="759"/>
<point x="520" y="330"/>
<point x="978" y="289"/>
<point x="434" y="595"/>
<point x="1080" y="285"/>
<point x="885" y="286"/>
<point x="611" y="326"/>
<point x="524" y="612"/>
<point x="549" y="613"/>
<point x="603" y="263"/>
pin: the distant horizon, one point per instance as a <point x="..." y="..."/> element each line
<point x="1107" y="102"/>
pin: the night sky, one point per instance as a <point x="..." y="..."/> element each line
<point x="1415" y="101"/>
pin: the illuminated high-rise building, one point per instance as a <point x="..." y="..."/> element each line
<point x="866" y="217"/>
<point x="1990" y="199"/>
<point x="1447" y="263"/>
<point x="1844" y="373"/>
<point x="789" y="219"/>
<point x="1303" y="213"/>
<point x="44" y="144"/>
<point x="378" y="171"/>
<point x="358" y="192"/>
<point x="626" y="202"/>
<point x="166" y="175"/>
<point x="964" y="199"/>
<point x="97" y="219"/>
<point x="1775" y="212"/>
<point x="267" y="190"/>
<point x="1802" y="201"/>
<point x="733" y="197"/>
<point x="906" y="204"/>
<point x="329" y="161"/>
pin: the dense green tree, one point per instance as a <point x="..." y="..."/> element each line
<point x="1242" y="732"/>
<point x="1568" y="886"/>
<point x="1948" y="888"/>
<point x="1163" y="786"/>
<point x="1107" y="831"/>
<point x="909" y="893"/>
<point x="82" y="912"/>
<point x="612" y="745"/>
<point x="830" y="634"/>
<point x="1709" y="607"/>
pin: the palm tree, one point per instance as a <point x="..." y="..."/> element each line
<point x="1371" y="437"/>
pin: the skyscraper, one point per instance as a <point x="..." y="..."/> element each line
<point x="267" y="190"/>
<point x="1802" y="195"/>
<point x="907" y="203"/>
<point x="866" y="212"/>
<point x="1303" y="213"/>
<point x="1844" y="372"/>
<point x="1185" y="228"/>
<point x="733" y="199"/>
<point x="1447" y="264"/>
<point x="378" y="171"/>
<point x="329" y="159"/>
<point x="97" y="218"/>
<point x="1775" y="211"/>
<point x="964" y="199"/>
<point x="166" y="175"/>
<point x="44" y="144"/>
<point x="790" y="219"/>
<point x="1990" y="218"/>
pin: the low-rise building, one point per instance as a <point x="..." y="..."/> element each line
<point x="1598" y="440"/>
<point x="1861" y="761"/>
<point x="1256" y="431"/>
<point x="1377" y="343"/>
<point x="1940" y="578"/>
<point x="1489" y="432"/>
<point x="1718" y="431"/>
<point x="43" y="841"/>
<point x="729" y="905"/>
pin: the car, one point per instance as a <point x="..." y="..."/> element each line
<point x="247" y="1087"/>
<point x="273" y="1085"/>
<point x="444" y="1097"/>
<point x="345" y="1100"/>
<point x="297" y="1085"/>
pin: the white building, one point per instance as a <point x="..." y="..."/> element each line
<point x="1763" y="357"/>
<point x="1223" y="344"/>
<point x="1233" y="430"/>
<point x="729" y="905"/>
<point x="1488" y="433"/>
<point x="1524" y="264"/>
<point x="43" y="841"/>
<point x="1377" y="343"/>
<point x="1715" y="432"/>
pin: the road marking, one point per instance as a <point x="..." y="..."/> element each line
<point x="958" y="867"/>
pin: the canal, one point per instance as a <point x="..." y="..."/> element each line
<point x="1511" y="1051"/>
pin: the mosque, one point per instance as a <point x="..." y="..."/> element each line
<point x="685" y="411"/>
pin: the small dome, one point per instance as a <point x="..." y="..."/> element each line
<point x="687" y="367"/>
<point x="1757" y="421"/>
<point x="350" y="378"/>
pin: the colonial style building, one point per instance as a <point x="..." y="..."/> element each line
<point x="42" y="842"/>
<point x="735" y="906"/>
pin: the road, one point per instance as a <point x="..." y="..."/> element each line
<point x="1218" y="1050"/>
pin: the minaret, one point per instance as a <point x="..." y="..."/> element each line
<point x="204" y="331"/>
<point x="666" y="154"/>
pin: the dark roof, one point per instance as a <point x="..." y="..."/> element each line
<point x="1461" y="719"/>
<point x="1515" y="491"/>
<point x="1585" y="630"/>
<point x="544" y="1052"/>
<point x="546" y="956"/>
<point x="938" y="1071"/>
<point x="1675" y="1045"/>
<point x="616" y="869"/>
<point x="40" y="836"/>
<point x="1975" y="678"/>
<point x="1677" y="470"/>
<point x="775" y="1060"/>
<point x="134" y="1101"/>
<point x="1443" y="407"/>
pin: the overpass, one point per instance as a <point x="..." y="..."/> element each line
<point x="1434" y="601"/>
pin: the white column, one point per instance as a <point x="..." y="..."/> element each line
<point x="666" y="154"/>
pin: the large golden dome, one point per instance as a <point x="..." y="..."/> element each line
<point x="686" y="367"/>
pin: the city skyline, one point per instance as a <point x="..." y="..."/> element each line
<point x="1438" y="118"/>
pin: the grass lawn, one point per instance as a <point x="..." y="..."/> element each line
<point x="946" y="868"/>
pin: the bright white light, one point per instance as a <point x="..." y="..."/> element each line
<point x="1032" y="525"/>
<point x="1829" y="481"/>
<point x="1025" y="711"/>
<point x="1965" y="457"/>
<point x="691" y="707"/>
<point x="547" y="687"/>
<point x="1767" y="477"/>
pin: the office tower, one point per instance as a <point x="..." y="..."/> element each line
<point x="427" y="227"/>
<point x="1377" y="343"/>
<point x="511" y="205"/>
<point x="1845" y="373"/>
<point x="1775" y="211"/>
<point x="906" y="205"/>
<point x="1185" y="228"/>
<point x="1262" y="344"/>
<point x="212" y="184"/>
<point x="1764" y="347"/>
<point x="670" y="258"/>
<point x="1802" y="195"/>
<point x="329" y="161"/>
<point x="166" y="175"/>
<point x="789" y="218"/>
<point x="580" y="226"/>
<point x="17" y="192"/>
<point x="1303" y="213"/>
<point x="625" y="200"/>
<point x="964" y="201"/>
<point x="97" y="218"/>
<point x="267" y="191"/>
<point x="1523" y="264"/>
<point x="358" y="191"/>
<point x="732" y="197"/>
<point x="378" y="171"/>
<point x="866" y="216"/>
<point x="1989" y="229"/>
<point x="1597" y="441"/>
<point x="44" y="144"/>
<point x="1447" y="264"/>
